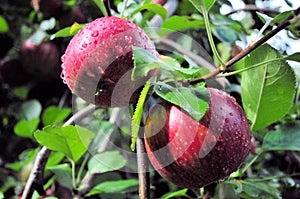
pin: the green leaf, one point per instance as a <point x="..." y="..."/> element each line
<point x="281" y="17"/>
<point x="30" y="109"/>
<point x="104" y="131"/>
<point x="225" y="34"/>
<point x="23" y="159"/>
<point x="101" y="6"/>
<point x="179" y="23"/>
<point x="63" y="173"/>
<point x="155" y="8"/>
<point x="181" y="192"/>
<point x="114" y="186"/>
<point x="73" y="141"/>
<point x="3" y="25"/>
<point x="138" y="113"/>
<point x="25" y="128"/>
<point x="235" y="185"/>
<point x="264" y="18"/>
<point x="54" y="158"/>
<point x="145" y="62"/>
<point x="197" y="4"/>
<point x="21" y="92"/>
<point x="68" y="31"/>
<point x="106" y="161"/>
<point x="268" y="90"/>
<point x="259" y="190"/>
<point x="293" y="57"/>
<point x="193" y="100"/>
<point x="285" y="137"/>
<point x="54" y="114"/>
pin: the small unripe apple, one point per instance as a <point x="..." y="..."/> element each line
<point x="193" y="153"/>
<point x="70" y="16"/>
<point x="98" y="62"/>
<point x="40" y="60"/>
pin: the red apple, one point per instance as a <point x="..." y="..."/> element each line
<point x="193" y="153"/>
<point x="70" y="16"/>
<point x="98" y="62"/>
<point x="40" y="60"/>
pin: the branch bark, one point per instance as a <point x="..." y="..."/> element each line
<point x="143" y="168"/>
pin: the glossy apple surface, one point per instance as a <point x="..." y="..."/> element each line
<point x="193" y="154"/>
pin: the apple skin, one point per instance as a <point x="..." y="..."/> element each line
<point x="98" y="62"/>
<point x="194" y="154"/>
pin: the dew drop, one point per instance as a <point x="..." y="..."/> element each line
<point x="231" y="114"/>
<point x="62" y="75"/>
<point x="119" y="49"/>
<point x="63" y="58"/>
<point x="227" y="120"/>
<point x="95" y="33"/>
<point x="84" y="45"/>
<point x="220" y="139"/>
<point x="220" y="148"/>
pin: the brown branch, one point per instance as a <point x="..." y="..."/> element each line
<point x="36" y="178"/>
<point x="249" y="49"/>
<point x="143" y="168"/>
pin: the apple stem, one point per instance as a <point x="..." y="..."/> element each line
<point x="143" y="167"/>
<point x="290" y="20"/>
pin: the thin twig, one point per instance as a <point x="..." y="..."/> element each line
<point x="36" y="177"/>
<point x="249" y="49"/>
<point x="143" y="168"/>
<point x="35" y="180"/>
<point x="253" y="8"/>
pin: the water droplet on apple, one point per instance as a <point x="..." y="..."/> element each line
<point x="119" y="49"/>
<point x="84" y="45"/>
<point x="95" y="33"/>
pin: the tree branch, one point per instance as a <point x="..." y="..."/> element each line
<point x="36" y="177"/>
<point x="249" y="49"/>
<point x="253" y="8"/>
<point x="143" y="168"/>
